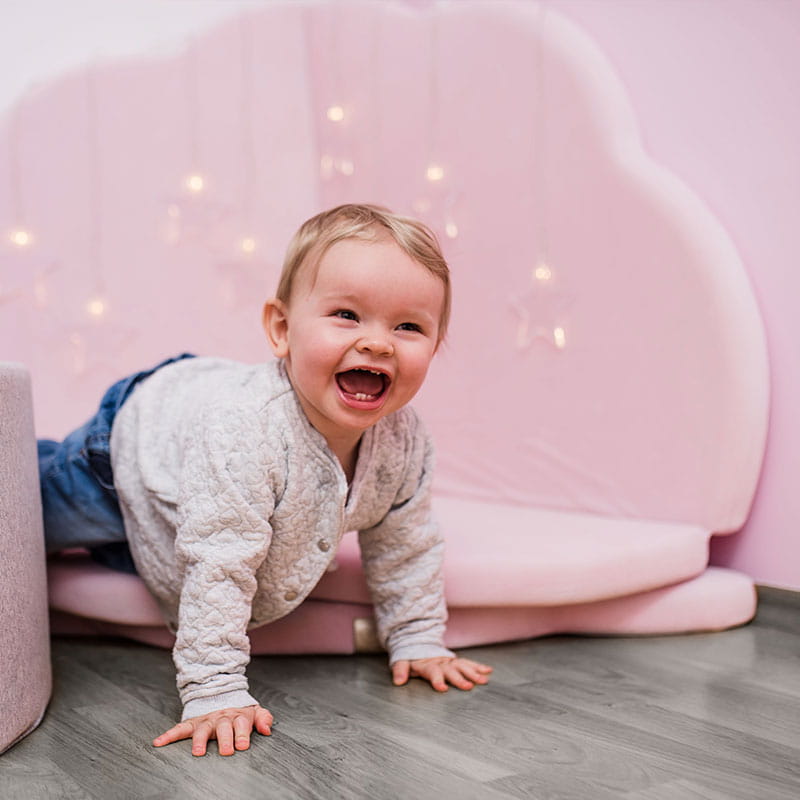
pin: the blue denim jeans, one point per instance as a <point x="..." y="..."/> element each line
<point x="79" y="500"/>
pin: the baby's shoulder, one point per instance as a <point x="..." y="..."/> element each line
<point x="217" y="398"/>
<point x="405" y="425"/>
<point x="402" y="440"/>
<point x="223" y="384"/>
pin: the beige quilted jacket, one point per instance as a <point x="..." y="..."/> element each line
<point x="234" y="506"/>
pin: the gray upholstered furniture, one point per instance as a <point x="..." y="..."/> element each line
<point x="25" y="673"/>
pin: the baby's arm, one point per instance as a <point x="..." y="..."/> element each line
<point x="231" y="727"/>
<point x="223" y="537"/>
<point x="459" y="672"/>
<point x="402" y="558"/>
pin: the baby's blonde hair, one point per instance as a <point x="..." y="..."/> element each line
<point x="368" y="223"/>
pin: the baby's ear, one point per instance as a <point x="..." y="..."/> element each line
<point x="275" y="320"/>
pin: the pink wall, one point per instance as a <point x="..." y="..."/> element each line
<point x="715" y="87"/>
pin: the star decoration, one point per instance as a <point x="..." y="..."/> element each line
<point x="437" y="207"/>
<point x="193" y="218"/>
<point x="542" y="309"/>
<point x="25" y="272"/>
<point x="82" y="338"/>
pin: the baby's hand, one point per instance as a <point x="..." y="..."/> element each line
<point x="460" y="672"/>
<point x="231" y="727"/>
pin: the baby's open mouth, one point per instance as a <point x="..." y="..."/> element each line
<point x="362" y="384"/>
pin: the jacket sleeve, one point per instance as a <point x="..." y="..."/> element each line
<point x="402" y="558"/>
<point x="223" y="536"/>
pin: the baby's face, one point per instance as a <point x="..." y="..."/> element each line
<point x="361" y="334"/>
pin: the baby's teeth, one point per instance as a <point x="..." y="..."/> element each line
<point x="362" y="396"/>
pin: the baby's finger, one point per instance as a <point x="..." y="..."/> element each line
<point x="200" y="738"/>
<point x="437" y="679"/>
<point x="183" y="730"/>
<point x="473" y="672"/>
<point x="483" y="668"/>
<point x="224" y="735"/>
<point x="400" y="672"/>
<point x="241" y="732"/>
<point x="264" y="721"/>
<point x="453" y="673"/>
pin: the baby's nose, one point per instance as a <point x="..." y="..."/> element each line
<point x="376" y="345"/>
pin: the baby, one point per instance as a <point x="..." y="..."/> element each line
<point x="232" y="485"/>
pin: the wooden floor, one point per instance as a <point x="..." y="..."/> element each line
<point x="712" y="716"/>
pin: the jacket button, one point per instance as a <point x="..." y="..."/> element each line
<point x="323" y="545"/>
<point x="289" y="596"/>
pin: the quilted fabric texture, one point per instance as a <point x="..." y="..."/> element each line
<point x="234" y="507"/>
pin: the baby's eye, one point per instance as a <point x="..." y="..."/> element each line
<point x="344" y="313"/>
<point x="409" y="326"/>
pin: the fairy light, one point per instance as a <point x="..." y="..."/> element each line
<point x="335" y="113"/>
<point x="346" y="167"/>
<point x="250" y="179"/>
<point x="451" y="230"/>
<point x="542" y="273"/>
<point x="97" y="307"/>
<point x="434" y="173"/>
<point x="559" y="337"/>
<point x="21" y="238"/>
<point x="195" y="183"/>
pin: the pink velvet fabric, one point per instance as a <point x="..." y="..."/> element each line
<point x="25" y="675"/>
<point x="715" y="600"/>
<point x="503" y="555"/>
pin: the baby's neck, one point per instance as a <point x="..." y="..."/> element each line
<point x="347" y="456"/>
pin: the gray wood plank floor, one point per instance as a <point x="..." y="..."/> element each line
<point x="711" y="716"/>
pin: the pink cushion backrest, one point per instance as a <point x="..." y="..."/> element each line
<point x="655" y="408"/>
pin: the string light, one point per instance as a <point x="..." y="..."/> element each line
<point x="542" y="273"/>
<point x="336" y="114"/>
<point x="247" y="244"/>
<point x="434" y="173"/>
<point x="451" y="229"/>
<point x="97" y="307"/>
<point x="21" y="238"/>
<point x="195" y="183"/>
<point x="559" y="337"/>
